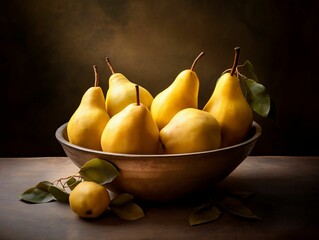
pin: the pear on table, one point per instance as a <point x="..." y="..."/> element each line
<point x="191" y="130"/>
<point x="182" y="93"/>
<point x="229" y="106"/>
<point x="87" y="123"/>
<point x="121" y="92"/>
<point x="131" y="131"/>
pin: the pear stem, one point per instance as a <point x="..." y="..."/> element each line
<point x="236" y="57"/>
<point x="96" y="76"/>
<point x="110" y="65"/>
<point x="195" y="61"/>
<point x="137" y="95"/>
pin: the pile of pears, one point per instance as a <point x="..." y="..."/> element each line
<point x="130" y="120"/>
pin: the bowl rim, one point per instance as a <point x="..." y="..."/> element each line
<point x="59" y="136"/>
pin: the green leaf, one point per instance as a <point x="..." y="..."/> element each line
<point x="37" y="195"/>
<point x="99" y="171"/>
<point x="236" y="207"/>
<point x="72" y="183"/>
<point x="129" y="211"/>
<point x="204" y="214"/>
<point x="121" y="199"/>
<point x="44" y="185"/>
<point x="257" y="97"/>
<point x="59" y="194"/>
<point x="250" y="69"/>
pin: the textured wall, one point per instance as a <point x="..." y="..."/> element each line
<point x="48" y="49"/>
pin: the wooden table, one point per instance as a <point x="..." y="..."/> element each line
<point x="286" y="198"/>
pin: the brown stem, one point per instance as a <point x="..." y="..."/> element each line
<point x="236" y="57"/>
<point x="137" y="95"/>
<point x="96" y="76"/>
<point x="195" y="61"/>
<point x="110" y="65"/>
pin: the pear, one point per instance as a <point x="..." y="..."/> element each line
<point x="191" y="130"/>
<point x="131" y="131"/>
<point x="87" y="123"/>
<point x="182" y="93"/>
<point x="121" y="92"/>
<point x="229" y="106"/>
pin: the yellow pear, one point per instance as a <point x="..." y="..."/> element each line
<point x="191" y="130"/>
<point x="229" y="106"/>
<point x="121" y="93"/>
<point x="87" y="123"/>
<point x="182" y="93"/>
<point x="89" y="199"/>
<point x="131" y="131"/>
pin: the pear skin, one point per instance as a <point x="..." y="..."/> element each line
<point x="121" y="92"/>
<point x="87" y="123"/>
<point x="181" y="94"/>
<point x="191" y="130"/>
<point x="229" y="106"/>
<point x="131" y="131"/>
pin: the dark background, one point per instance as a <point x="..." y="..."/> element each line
<point x="48" y="49"/>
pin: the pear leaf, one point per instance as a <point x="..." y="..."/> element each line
<point x="121" y="199"/>
<point x="99" y="171"/>
<point x="72" y="183"/>
<point x="36" y="195"/>
<point x="130" y="211"/>
<point x="236" y="207"/>
<point x="250" y="69"/>
<point x="204" y="214"/>
<point x="44" y="185"/>
<point x="59" y="194"/>
<point x="257" y="97"/>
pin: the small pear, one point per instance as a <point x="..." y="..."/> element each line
<point x="229" y="106"/>
<point x="191" y="130"/>
<point x="131" y="131"/>
<point x="121" y="92"/>
<point x="87" y="123"/>
<point x="182" y="93"/>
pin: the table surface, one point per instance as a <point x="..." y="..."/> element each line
<point x="286" y="197"/>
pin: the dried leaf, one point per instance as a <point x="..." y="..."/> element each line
<point x="204" y="214"/>
<point x="59" y="194"/>
<point x="99" y="171"/>
<point x="129" y="211"/>
<point x="236" y="207"/>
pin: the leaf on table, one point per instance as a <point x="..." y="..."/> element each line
<point x="236" y="207"/>
<point x="36" y="195"/>
<point x="99" y="171"/>
<point x="121" y="199"/>
<point x="44" y="185"/>
<point x="130" y="211"/>
<point x="204" y="214"/>
<point x="59" y="194"/>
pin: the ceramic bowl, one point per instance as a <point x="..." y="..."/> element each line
<point x="162" y="177"/>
